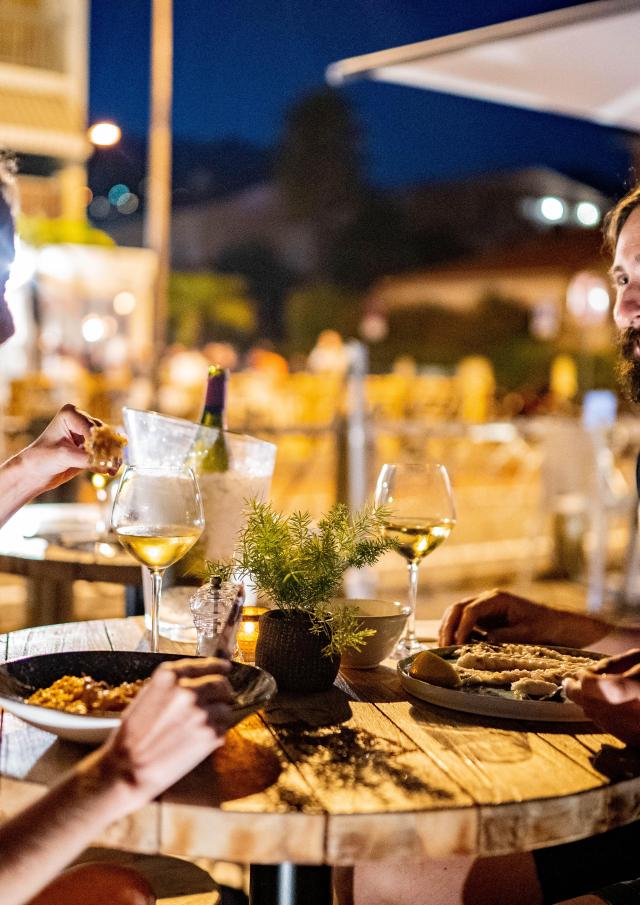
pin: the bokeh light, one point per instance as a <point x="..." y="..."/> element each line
<point x="127" y="203"/>
<point x="587" y="213"/>
<point x="99" y="207"/>
<point x="117" y="191"/>
<point x="124" y="303"/>
<point x="93" y="328"/>
<point x="552" y="209"/>
<point x="104" y="134"/>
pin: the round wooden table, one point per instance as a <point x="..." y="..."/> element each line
<point x="54" y="544"/>
<point x="358" y="773"/>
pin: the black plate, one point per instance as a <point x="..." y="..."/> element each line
<point x="252" y="686"/>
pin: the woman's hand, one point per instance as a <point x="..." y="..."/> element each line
<point x="506" y="617"/>
<point x="59" y="454"/>
<point x="179" y="718"/>
<point x="609" y="694"/>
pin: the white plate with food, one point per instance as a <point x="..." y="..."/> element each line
<point x="79" y="695"/>
<point x="510" y="681"/>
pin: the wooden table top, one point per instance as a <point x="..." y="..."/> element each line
<point x="357" y="773"/>
<point x="59" y="540"/>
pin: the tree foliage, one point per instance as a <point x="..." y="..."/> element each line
<point x="319" y="162"/>
<point x="206" y="306"/>
<point x="320" y="307"/>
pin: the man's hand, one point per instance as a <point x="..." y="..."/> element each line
<point x="179" y="718"/>
<point x="506" y="617"/>
<point x="609" y="694"/>
<point x="59" y="454"/>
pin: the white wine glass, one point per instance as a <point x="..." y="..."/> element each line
<point x="420" y="516"/>
<point x="157" y="516"/>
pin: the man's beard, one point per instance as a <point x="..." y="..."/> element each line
<point x="628" y="366"/>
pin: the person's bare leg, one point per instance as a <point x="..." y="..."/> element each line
<point x="459" y="880"/>
<point x="97" y="884"/>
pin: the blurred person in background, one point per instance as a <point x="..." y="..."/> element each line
<point x="329" y="355"/>
<point x="177" y="720"/>
<point x="263" y="359"/>
<point x="609" y="694"/>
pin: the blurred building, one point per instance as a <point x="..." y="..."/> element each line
<point x="529" y="272"/>
<point x="450" y="221"/>
<point x="43" y="101"/>
<point x="497" y="210"/>
<point x="202" y="233"/>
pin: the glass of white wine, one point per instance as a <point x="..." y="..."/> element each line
<point x="420" y="516"/>
<point x="157" y="516"/>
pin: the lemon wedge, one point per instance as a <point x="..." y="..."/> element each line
<point x="433" y="669"/>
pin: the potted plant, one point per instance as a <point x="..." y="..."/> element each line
<point x="298" y="567"/>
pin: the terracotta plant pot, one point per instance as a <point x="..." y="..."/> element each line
<point x="293" y="655"/>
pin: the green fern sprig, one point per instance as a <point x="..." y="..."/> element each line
<point x="300" y="568"/>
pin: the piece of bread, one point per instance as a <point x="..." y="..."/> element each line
<point x="104" y="447"/>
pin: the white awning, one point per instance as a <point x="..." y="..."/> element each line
<point x="580" y="61"/>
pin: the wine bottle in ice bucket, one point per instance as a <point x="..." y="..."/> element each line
<point x="205" y="457"/>
<point x="213" y="458"/>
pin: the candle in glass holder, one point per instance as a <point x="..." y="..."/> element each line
<point x="248" y="630"/>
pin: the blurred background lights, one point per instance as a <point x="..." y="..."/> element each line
<point x="127" y="203"/>
<point x="55" y="261"/>
<point x="93" y="328"/>
<point x="104" y="134"/>
<point x="100" y="207"/>
<point x="51" y="337"/>
<point x="588" y="298"/>
<point x="110" y="325"/>
<point x="552" y="209"/>
<point x="124" y="303"/>
<point x="374" y="327"/>
<point x="23" y="267"/>
<point x="587" y="213"/>
<point x="598" y="299"/>
<point x="544" y="320"/>
<point x="117" y="191"/>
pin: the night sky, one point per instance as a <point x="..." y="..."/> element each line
<point x="240" y="63"/>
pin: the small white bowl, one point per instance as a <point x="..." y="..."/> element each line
<point x="387" y="618"/>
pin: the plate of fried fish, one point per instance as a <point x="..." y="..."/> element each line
<point x="513" y="681"/>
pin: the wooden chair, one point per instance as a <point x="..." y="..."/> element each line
<point x="174" y="880"/>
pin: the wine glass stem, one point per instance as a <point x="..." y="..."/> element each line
<point x="410" y="633"/>
<point x="156" y="591"/>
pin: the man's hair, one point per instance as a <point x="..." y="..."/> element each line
<point x="618" y="216"/>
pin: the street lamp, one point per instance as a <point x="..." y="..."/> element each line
<point x="104" y="134"/>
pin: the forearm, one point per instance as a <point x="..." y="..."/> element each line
<point x="580" y="630"/>
<point x="618" y="640"/>
<point x="41" y="840"/>
<point x="569" y="629"/>
<point x="17" y="485"/>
